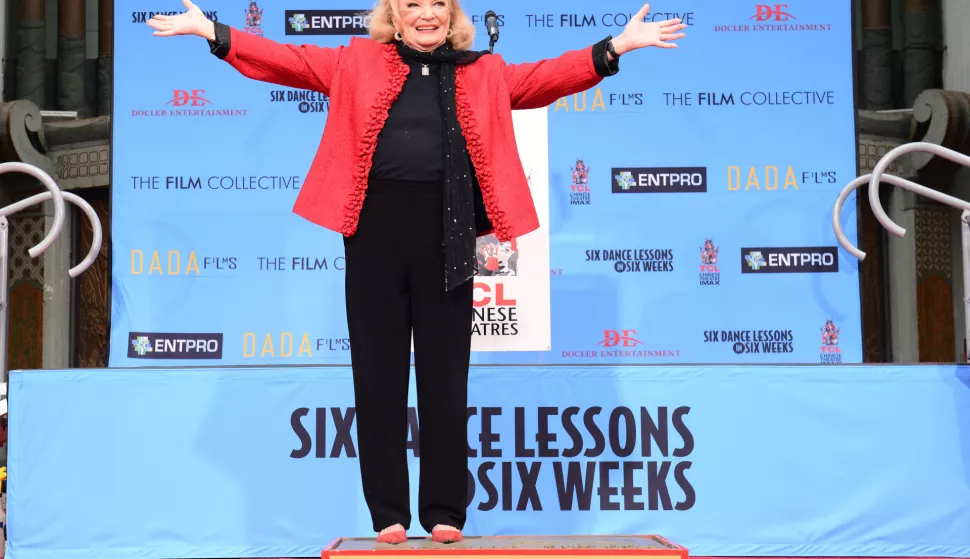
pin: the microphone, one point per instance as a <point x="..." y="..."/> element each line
<point x="491" y="24"/>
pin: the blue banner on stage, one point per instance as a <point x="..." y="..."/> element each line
<point x="685" y="202"/>
<point x="259" y="462"/>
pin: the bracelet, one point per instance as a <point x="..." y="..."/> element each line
<point x="610" y="49"/>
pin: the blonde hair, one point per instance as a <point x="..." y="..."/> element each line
<point x="382" y="30"/>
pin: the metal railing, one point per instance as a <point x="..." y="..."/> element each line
<point x="55" y="194"/>
<point x="878" y="176"/>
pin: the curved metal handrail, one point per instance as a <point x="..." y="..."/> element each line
<point x="880" y="169"/>
<point x="53" y="191"/>
<point x="856" y="183"/>
<point x="96" y="237"/>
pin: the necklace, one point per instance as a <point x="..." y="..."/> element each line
<point x="424" y="70"/>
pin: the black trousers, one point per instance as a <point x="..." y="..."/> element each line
<point x="395" y="285"/>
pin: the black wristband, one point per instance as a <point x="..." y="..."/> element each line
<point x="601" y="62"/>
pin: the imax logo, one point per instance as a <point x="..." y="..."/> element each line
<point x="651" y="180"/>
<point x="789" y="260"/>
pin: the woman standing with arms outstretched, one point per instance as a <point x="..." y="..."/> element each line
<point x="418" y="159"/>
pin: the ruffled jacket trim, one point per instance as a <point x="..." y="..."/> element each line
<point x="368" y="142"/>
<point x="476" y="150"/>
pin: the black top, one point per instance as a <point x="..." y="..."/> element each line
<point x="410" y="147"/>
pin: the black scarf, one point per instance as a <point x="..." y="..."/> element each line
<point x="464" y="211"/>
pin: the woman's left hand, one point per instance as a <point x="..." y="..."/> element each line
<point x="639" y="33"/>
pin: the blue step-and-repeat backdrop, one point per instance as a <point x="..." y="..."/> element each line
<point x="737" y="263"/>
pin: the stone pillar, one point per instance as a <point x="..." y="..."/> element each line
<point x="70" y="56"/>
<point x="105" y="32"/>
<point x="921" y="27"/>
<point x="31" y="52"/>
<point x="57" y="291"/>
<point x="960" y="188"/>
<point x="901" y="270"/>
<point x="956" y="60"/>
<point x="877" y="49"/>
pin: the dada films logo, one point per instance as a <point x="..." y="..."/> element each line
<point x="753" y="341"/>
<point x="789" y="260"/>
<point x="829" y="352"/>
<point x="621" y="344"/>
<point x="771" y="179"/>
<point x="653" y="180"/>
<point x="189" y="103"/>
<point x="634" y="259"/>
<point x="326" y="22"/>
<point x="254" y="19"/>
<point x="179" y="263"/>
<point x="769" y="18"/>
<point x="287" y="345"/>
<point x="579" y="188"/>
<point x="158" y="345"/>
<point x="710" y="274"/>
<point x="596" y="99"/>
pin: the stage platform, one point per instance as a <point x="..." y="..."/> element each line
<point x="726" y="461"/>
<point x="522" y="547"/>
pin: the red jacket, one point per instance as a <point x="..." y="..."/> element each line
<point x="365" y="77"/>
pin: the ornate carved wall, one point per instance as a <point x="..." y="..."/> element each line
<point x="934" y="284"/>
<point x="25" y="338"/>
<point x="92" y="305"/>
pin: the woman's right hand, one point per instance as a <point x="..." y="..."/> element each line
<point x="192" y="22"/>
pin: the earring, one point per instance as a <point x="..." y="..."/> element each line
<point x="397" y="35"/>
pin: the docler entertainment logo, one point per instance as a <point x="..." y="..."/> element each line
<point x="772" y="178"/>
<point x="179" y="263"/>
<point x="287" y="345"/>
<point x="829" y="352"/>
<point x="753" y="341"/>
<point x="634" y="259"/>
<point x="621" y="345"/>
<point x="774" y="18"/>
<point x="189" y="103"/>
